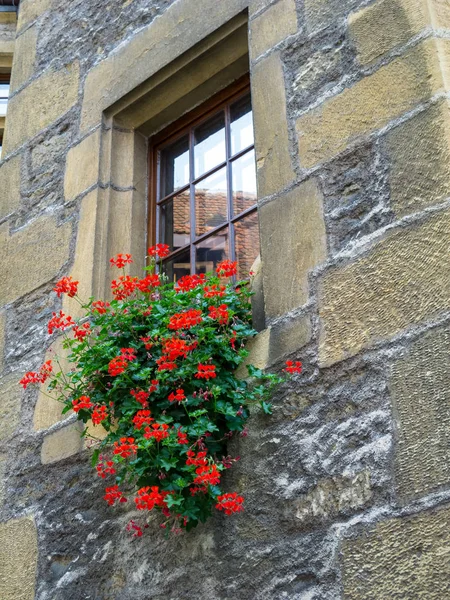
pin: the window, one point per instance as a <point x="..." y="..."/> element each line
<point x="203" y="193"/>
<point x="4" y="93"/>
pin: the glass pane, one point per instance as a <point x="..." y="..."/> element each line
<point x="211" y="202"/>
<point x="209" y="145"/>
<point x="211" y="251"/>
<point x="246" y="236"/>
<point x="174" y="222"/>
<point x="244" y="182"/>
<point x="178" y="266"/>
<point x="241" y="125"/>
<point x="174" y="166"/>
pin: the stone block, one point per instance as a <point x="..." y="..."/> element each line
<point x="39" y="104"/>
<point x="403" y="280"/>
<point x="8" y="18"/>
<point x="420" y="390"/>
<point x="24" y="57"/>
<point x="30" y="10"/>
<point x="273" y="161"/>
<point x="419" y="153"/>
<point x="380" y="27"/>
<point x="440" y="13"/>
<point x="293" y="241"/>
<point x="323" y="13"/>
<point x="35" y="254"/>
<point x="10" y="185"/>
<point x="370" y="104"/>
<point x="259" y="352"/>
<point x="2" y="337"/>
<point x="255" y="6"/>
<point x="272" y="26"/>
<point x="18" y="559"/>
<point x="62" y="443"/>
<point x="82" y="166"/>
<point x="288" y="336"/>
<point x="407" y="557"/>
<point x="10" y="402"/>
<point x="129" y="160"/>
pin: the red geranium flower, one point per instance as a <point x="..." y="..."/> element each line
<point x="66" y="286"/>
<point x="121" y="260"/>
<point x="230" y="503"/>
<point x="226" y="268"/>
<point x="81" y="403"/>
<point x="112" y="494"/>
<point x="206" y="372"/>
<point x="161" y="250"/>
<point x="293" y="368"/>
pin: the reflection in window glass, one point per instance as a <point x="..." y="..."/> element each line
<point x="211" y="251"/>
<point x="211" y="202"/>
<point x="241" y="125"/>
<point x="174" y="166"/>
<point x="209" y="145"/>
<point x="178" y="266"/>
<point x="246" y="234"/>
<point x="244" y="182"/>
<point x="174" y="221"/>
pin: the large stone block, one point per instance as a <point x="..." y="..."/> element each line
<point x="403" y="280"/>
<point x="61" y="444"/>
<point x="273" y="161"/>
<point x="322" y="13"/>
<point x="10" y="402"/>
<point x="2" y="337"/>
<point x="34" y="254"/>
<point x="370" y="104"/>
<point x="419" y="153"/>
<point x="293" y="241"/>
<point x="399" y="559"/>
<point x="10" y="185"/>
<point x="39" y="104"/>
<point x="386" y="24"/>
<point x="420" y="388"/>
<point x="30" y="10"/>
<point x="24" y="57"/>
<point x="18" y="559"/>
<point x="82" y="166"/>
<point x="272" y="26"/>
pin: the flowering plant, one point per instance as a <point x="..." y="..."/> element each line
<point x="156" y="368"/>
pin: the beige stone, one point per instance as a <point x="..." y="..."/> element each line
<point x="82" y="166"/>
<point x="24" y="58"/>
<point x="40" y="103"/>
<point x="293" y="241"/>
<point x="129" y="160"/>
<point x="371" y="104"/>
<point x="440" y="13"/>
<point x="18" y="559"/>
<point x="10" y="402"/>
<point x="407" y="557"/>
<point x="62" y="443"/>
<point x="30" y="10"/>
<point x="255" y="6"/>
<point x="288" y="336"/>
<point x="420" y="390"/>
<point x="24" y="270"/>
<point x="380" y="27"/>
<point x="258" y="353"/>
<point x="10" y="185"/>
<point x="272" y="26"/>
<point x="2" y="337"/>
<point x="177" y="30"/>
<point x="403" y="280"/>
<point x="7" y="47"/>
<point x="419" y="153"/>
<point x="322" y="13"/>
<point x="273" y="161"/>
<point x="8" y="18"/>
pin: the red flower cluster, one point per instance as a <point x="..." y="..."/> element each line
<point x="185" y="320"/>
<point x="211" y="291"/>
<point x="140" y="396"/>
<point x="293" y="368"/>
<point x="161" y="250"/>
<point x="128" y="354"/>
<point x="189" y="282"/>
<point x="123" y="287"/>
<point x="81" y="403"/>
<point x="207" y="475"/>
<point x="233" y="340"/>
<point x="159" y="431"/>
<point x="154" y="386"/>
<point x="117" y="366"/>
<point x="100" y="307"/>
<point x="60" y="321"/>
<point x="164" y="364"/>
<point x="40" y="376"/>
<point x="182" y="437"/>
<point x="174" y="348"/>
<point x="105" y="468"/>
<point x="80" y="332"/>
<point x="206" y="372"/>
<point x="149" y="283"/>
<point x="147" y="342"/>
<point x="220" y="313"/>
<point x="199" y="460"/>
<point x="132" y="526"/>
<point x="147" y="498"/>
<point x="66" y="286"/>
<point x="142" y="417"/>
<point x="178" y="397"/>
<point x="99" y="414"/>
<point x="126" y="447"/>
<point x="112" y="494"/>
<point x="226" y="268"/>
<point x="230" y="503"/>
<point x="121" y="260"/>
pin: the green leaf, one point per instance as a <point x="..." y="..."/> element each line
<point x="267" y="408"/>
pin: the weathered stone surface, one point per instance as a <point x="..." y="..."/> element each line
<point x="61" y="444"/>
<point x="273" y="162"/>
<point x="10" y="401"/>
<point x="2" y="336"/>
<point x="41" y="103"/>
<point x="420" y="387"/>
<point x="403" y="280"/>
<point x="129" y="160"/>
<point x="292" y="243"/>
<point x="18" y="559"/>
<point x="369" y="104"/>
<point x="10" y="185"/>
<point x="24" y="58"/>
<point x="273" y="26"/>
<point x="24" y="271"/>
<point x="419" y="152"/>
<point x="400" y="558"/>
<point x="382" y="26"/>
<point x="31" y="10"/>
<point x="322" y="13"/>
<point x="82" y="166"/>
<point x="289" y="336"/>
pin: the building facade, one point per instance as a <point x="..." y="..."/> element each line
<point x="347" y="485"/>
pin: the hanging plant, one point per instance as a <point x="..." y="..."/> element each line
<point x="155" y="367"/>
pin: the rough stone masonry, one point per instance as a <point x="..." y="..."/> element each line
<point x="347" y="485"/>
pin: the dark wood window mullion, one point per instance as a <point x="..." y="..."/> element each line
<point x="192" y="199"/>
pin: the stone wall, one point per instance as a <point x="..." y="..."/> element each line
<point x="347" y="485"/>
